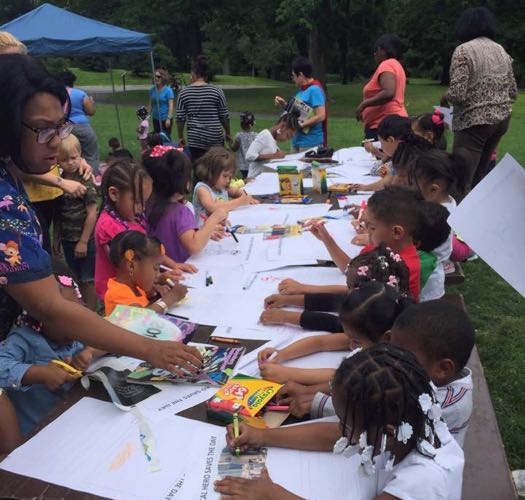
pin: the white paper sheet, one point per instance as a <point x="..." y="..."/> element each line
<point x="490" y="220"/>
<point x="95" y="447"/>
<point x="293" y="156"/>
<point x="352" y="199"/>
<point x="354" y="154"/>
<point x="298" y="164"/>
<point x="264" y="184"/>
<point x="268" y="332"/>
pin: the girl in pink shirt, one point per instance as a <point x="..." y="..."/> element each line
<point x="125" y="190"/>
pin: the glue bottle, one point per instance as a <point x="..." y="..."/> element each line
<point x="319" y="178"/>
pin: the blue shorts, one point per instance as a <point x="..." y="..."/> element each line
<point x="84" y="268"/>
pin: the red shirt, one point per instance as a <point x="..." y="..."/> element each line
<point x="411" y="259"/>
<point x="373" y="115"/>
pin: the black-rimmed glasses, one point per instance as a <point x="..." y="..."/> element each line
<point x="44" y="135"/>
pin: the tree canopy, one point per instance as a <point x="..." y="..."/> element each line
<point x="260" y="37"/>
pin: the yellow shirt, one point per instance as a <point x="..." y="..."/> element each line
<point x="39" y="192"/>
<point x="118" y="293"/>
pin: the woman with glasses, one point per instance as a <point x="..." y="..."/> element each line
<point x="32" y="127"/>
<point x="161" y="99"/>
<point x="384" y="94"/>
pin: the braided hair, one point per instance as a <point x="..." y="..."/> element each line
<point x="409" y="148"/>
<point x="372" y="309"/>
<point x="380" y="386"/>
<point x="247" y="120"/>
<point x="378" y="265"/>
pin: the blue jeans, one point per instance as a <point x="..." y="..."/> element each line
<point x="84" y="268"/>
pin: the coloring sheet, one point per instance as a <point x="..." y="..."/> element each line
<point x="490" y="220"/>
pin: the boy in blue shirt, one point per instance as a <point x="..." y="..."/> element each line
<point x="33" y="383"/>
<point x="313" y="131"/>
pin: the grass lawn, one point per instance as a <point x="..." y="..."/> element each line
<point x="496" y="309"/>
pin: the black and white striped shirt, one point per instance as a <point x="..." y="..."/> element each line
<point x="203" y="108"/>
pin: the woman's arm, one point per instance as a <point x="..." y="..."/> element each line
<point x="73" y="188"/>
<point x="459" y="78"/>
<point x="388" y="83"/>
<point x="88" y="103"/>
<point x="43" y="301"/>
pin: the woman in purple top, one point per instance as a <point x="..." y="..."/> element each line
<point x="169" y="217"/>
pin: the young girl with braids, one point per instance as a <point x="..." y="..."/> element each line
<point x="380" y="264"/>
<point x="125" y="190"/>
<point x="388" y="417"/>
<point x="366" y="315"/>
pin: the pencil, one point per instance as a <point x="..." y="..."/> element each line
<point x="230" y="230"/>
<point x="236" y="431"/>
<point x="225" y="340"/>
<point x="177" y="316"/>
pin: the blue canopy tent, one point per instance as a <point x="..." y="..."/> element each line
<point x="51" y="31"/>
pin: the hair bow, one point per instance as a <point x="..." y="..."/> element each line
<point x="160" y="150"/>
<point x="437" y="117"/>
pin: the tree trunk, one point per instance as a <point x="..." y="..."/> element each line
<point x="317" y="53"/>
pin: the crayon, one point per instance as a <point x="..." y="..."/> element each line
<point x="225" y="340"/>
<point x="278" y="408"/>
<point x="236" y="431"/>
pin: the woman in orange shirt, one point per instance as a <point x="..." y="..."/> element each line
<point x="384" y="94"/>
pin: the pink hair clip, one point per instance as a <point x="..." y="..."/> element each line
<point x="65" y="281"/>
<point x="161" y="150"/>
<point x="362" y="271"/>
<point x="437" y="117"/>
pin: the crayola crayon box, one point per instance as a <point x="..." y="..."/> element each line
<point x="242" y="394"/>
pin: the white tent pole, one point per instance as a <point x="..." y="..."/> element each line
<point x="116" y="104"/>
<point x="155" y="86"/>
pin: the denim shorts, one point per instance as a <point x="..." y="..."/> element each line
<point x="84" y="268"/>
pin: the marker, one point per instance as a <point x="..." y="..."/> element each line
<point x="309" y="228"/>
<point x="236" y="431"/>
<point x="162" y="267"/>
<point x="68" y="368"/>
<point x="230" y="230"/>
<point x="361" y="210"/>
<point x="225" y="340"/>
<point x="177" y="316"/>
<point x="273" y="355"/>
<point x="278" y="408"/>
<point x="170" y="282"/>
<point x="249" y="280"/>
<point x="209" y="280"/>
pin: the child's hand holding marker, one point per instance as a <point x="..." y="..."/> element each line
<point x="248" y="437"/>
<point x="268" y="355"/>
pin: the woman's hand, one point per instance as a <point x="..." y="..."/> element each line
<point x="291" y="287"/>
<point x="73" y="188"/>
<point x="85" y="170"/>
<point x="359" y="111"/>
<point x="167" y="123"/>
<point x="279" y="101"/>
<point x="173" y="356"/>
<point x="249" y="437"/>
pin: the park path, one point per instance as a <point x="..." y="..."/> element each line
<point x="106" y="89"/>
